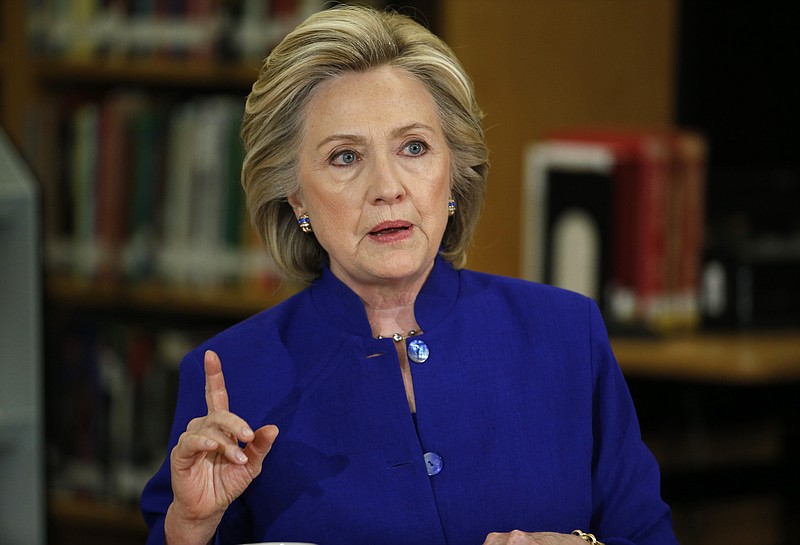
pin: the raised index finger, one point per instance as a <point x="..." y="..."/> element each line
<point x="216" y="394"/>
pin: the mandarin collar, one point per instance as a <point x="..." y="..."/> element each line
<point x="344" y="310"/>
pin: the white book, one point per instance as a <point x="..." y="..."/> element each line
<point x="175" y="253"/>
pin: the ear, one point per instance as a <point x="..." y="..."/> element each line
<point x="296" y="203"/>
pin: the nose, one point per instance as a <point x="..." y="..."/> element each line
<point x="385" y="184"/>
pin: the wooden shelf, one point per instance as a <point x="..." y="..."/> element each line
<point x="97" y="513"/>
<point x="730" y="357"/>
<point x="188" y="73"/>
<point x="762" y="357"/>
<point x="159" y="298"/>
<point x="76" y="520"/>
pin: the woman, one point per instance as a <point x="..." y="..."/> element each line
<point x="417" y="403"/>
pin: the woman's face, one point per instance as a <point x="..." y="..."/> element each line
<point x="374" y="171"/>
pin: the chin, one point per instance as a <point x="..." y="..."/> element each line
<point x="401" y="269"/>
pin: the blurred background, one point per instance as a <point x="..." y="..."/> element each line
<point x="669" y="126"/>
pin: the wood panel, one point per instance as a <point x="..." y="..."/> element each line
<point x="16" y="83"/>
<point x="544" y="64"/>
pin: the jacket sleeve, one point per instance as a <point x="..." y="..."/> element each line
<point x="626" y="495"/>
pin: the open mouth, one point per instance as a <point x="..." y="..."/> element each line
<point x="389" y="228"/>
<point x="388" y="231"/>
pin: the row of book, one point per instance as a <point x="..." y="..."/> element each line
<point x="111" y="397"/>
<point x="619" y="215"/>
<point x="150" y="190"/>
<point x="199" y="29"/>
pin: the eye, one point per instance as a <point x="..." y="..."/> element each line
<point x="344" y="158"/>
<point x="415" y="148"/>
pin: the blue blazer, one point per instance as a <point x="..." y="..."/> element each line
<point x="520" y="404"/>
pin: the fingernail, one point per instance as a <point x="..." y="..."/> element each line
<point x="240" y="456"/>
<point x="247" y="432"/>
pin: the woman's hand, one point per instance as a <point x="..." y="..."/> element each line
<point x="518" y="537"/>
<point x="209" y="469"/>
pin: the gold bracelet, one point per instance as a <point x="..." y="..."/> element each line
<point x="588" y="538"/>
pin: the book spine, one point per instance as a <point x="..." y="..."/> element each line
<point x="690" y="157"/>
<point x="147" y="178"/>
<point x="85" y="122"/>
<point x="652" y="231"/>
<point x="200" y="30"/>
<point x="174" y="253"/>
<point x="114" y="394"/>
<point x="621" y="291"/>
<point x="155" y="193"/>
<point x="657" y="219"/>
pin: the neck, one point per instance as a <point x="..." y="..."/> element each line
<point x="390" y="304"/>
<point x="390" y="307"/>
<point x="388" y="321"/>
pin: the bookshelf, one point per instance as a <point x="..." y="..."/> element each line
<point x="114" y="332"/>
<point x="97" y="328"/>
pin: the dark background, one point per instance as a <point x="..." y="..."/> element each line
<point x="738" y="84"/>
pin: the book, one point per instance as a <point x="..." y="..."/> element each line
<point x="174" y="251"/>
<point x="655" y="230"/>
<point x="113" y="392"/>
<point x="148" y="143"/>
<point x="209" y="193"/>
<point x="84" y="127"/>
<point x="202" y="17"/>
<point x="566" y="216"/>
<point x="114" y="165"/>
<point x="691" y="156"/>
<point x="199" y="30"/>
<point x="638" y="292"/>
<point x="155" y="193"/>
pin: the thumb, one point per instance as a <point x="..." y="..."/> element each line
<point x="257" y="449"/>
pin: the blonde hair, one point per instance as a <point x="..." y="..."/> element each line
<point x="330" y="43"/>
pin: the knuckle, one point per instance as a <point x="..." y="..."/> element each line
<point x="195" y="423"/>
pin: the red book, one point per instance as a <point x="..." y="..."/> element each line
<point x="200" y="13"/>
<point x="642" y="174"/>
<point x="113" y="181"/>
<point x="690" y="156"/>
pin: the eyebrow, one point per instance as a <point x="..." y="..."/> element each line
<point x="342" y="136"/>
<point x="399" y="131"/>
<point x="359" y="139"/>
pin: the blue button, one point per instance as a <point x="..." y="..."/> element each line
<point x="418" y="351"/>
<point x="433" y="463"/>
